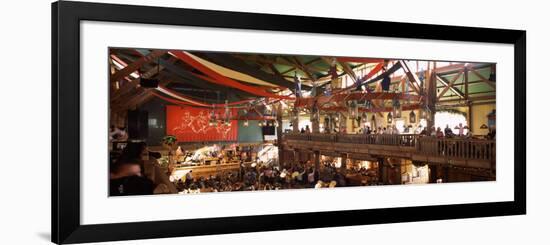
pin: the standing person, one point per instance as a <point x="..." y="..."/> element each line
<point x="311" y="177"/>
<point x="189" y="177"/>
<point x="448" y="131"/>
<point x="308" y="130"/>
<point x="125" y="179"/>
<point x="118" y="133"/>
<point x="424" y="131"/>
<point x="394" y="130"/>
<point x="460" y="130"/>
<point x="439" y="133"/>
<point x="433" y="131"/>
<point x="492" y="133"/>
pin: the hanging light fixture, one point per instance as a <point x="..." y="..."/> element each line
<point x="396" y="108"/>
<point x="354" y="109"/>
<point x="368" y="104"/>
<point x="412" y="117"/>
<point x="245" y="123"/>
<point x="425" y="112"/>
<point x="213" y="117"/>
<point x="212" y="121"/>
<point x="314" y="114"/>
<point x="364" y="117"/>
<point x="389" y="118"/>
<point x="227" y="114"/>
<point x="397" y="113"/>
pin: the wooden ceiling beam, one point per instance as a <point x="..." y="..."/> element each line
<point x="294" y="67"/>
<point x="449" y="85"/>
<point x="136" y="65"/>
<point x="304" y="69"/>
<point x="472" y="98"/>
<point x="414" y="81"/>
<point x="347" y="69"/>
<point x="490" y="83"/>
<point x="133" y="83"/>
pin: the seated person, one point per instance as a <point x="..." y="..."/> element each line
<point x="126" y="179"/>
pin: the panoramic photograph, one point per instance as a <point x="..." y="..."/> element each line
<point x="189" y="122"/>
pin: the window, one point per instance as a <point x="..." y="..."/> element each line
<point x="442" y="119"/>
<point x="153" y="123"/>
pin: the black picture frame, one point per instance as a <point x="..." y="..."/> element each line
<point x="66" y="18"/>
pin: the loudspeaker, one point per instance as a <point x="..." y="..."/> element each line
<point x="268" y="130"/>
<point x="148" y="83"/>
<point x="137" y="124"/>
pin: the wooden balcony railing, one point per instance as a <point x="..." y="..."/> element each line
<point x="441" y="147"/>
<point x="458" y="148"/>
<point x="372" y="139"/>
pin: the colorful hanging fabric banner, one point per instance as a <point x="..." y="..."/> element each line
<point x="220" y="79"/>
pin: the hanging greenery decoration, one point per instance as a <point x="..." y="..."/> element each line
<point x="451" y="111"/>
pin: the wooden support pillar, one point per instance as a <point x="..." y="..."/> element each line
<point x="433" y="173"/>
<point x="297" y="157"/>
<point x="466" y="81"/>
<point x="396" y="172"/>
<point x="470" y="114"/>
<point x="280" y="134"/>
<point x="467" y="97"/>
<point x="343" y="124"/>
<point x="314" y="118"/>
<point x="382" y="171"/>
<point x="446" y="175"/>
<point x="431" y="93"/>
<point x="344" y="167"/>
<point x="317" y="159"/>
<point x="295" y="119"/>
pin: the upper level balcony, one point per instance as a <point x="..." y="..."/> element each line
<point x="463" y="152"/>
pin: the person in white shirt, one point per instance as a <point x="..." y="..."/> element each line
<point x="460" y="130"/>
<point x="394" y="130"/>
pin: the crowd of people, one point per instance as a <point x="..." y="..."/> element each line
<point x="260" y="177"/>
<point x="447" y="132"/>
<point x="135" y="171"/>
